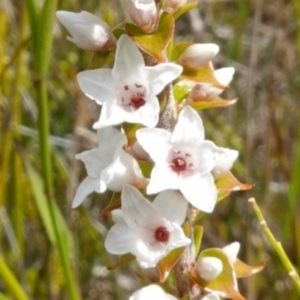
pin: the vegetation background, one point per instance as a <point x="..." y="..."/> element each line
<point x="47" y="249"/>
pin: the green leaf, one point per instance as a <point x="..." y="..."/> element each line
<point x="156" y="43"/>
<point x="216" y="102"/>
<point x="178" y="50"/>
<point x="146" y="168"/>
<point x="185" y="8"/>
<point x="124" y="259"/>
<point x="244" y="270"/>
<point x="43" y="208"/>
<point x="225" y="282"/>
<point x="182" y="89"/>
<point x="228" y="183"/>
<point x="198" y="233"/>
<point x="130" y="130"/>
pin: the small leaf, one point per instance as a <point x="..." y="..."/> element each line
<point x="185" y="8"/>
<point x="228" y="183"/>
<point x="216" y="102"/>
<point x="167" y="263"/>
<point x="205" y="74"/>
<point x="198" y="233"/>
<point x="182" y="89"/>
<point x="130" y="130"/>
<point x="146" y="168"/>
<point x="124" y="259"/>
<point x="178" y="50"/>
<point x="115" y="202"/>
<point x="154" y="44"/>
<point x="243" y="270"/>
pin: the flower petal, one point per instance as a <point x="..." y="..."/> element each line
<point x="137" y="210"/>
<point x="224" y="75"/>
<point x="206" y="157"/>
<point x="151" y="292"/>
<point x="128" y="59"/>
<point x="200" y="191"/>
<point x="86" y="187"/>
<point x="124" y="170"/>
<point x="120" y="239"/>
<point x="178" y="239"/>
<point x="172" y="206"/>
<point x="232" y="251"/>
<point x="189" y="128"/>
<point x="156" y="142"/>
<point x="162" y="178"/>
<point x="111" y="114"/>
<point x="98" y="84"/>
<point x="162" y="74"/>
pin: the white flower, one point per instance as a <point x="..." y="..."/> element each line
<point x="151" y="292"/>
<point x="128" y="92"/>
<point x="108" y="166"/>
<point x="88" y="32"/>
<point x="209" y="267"/>
<point x="142" y="13"/>
<point x="148" y="230"/>
<point x="208" y="91"/>
<point x="211" y="296"/>
<point x="183" y="160"/>
<point x="196" y="55"/>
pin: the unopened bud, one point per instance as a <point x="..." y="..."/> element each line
<point x="88" y="32"/>
<point x="224" y="75"/>
<point x="225" y="160"/>
<point x="172" y="5"/>
<point x="142" y="13"/>
<point x="209" y="268"/>
<point x="232" y="251"/>
<point x="197" y="55"/>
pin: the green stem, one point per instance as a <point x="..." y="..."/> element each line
<point x="42" y="42"/>
<point x="276" y="245"/>
<point x="11" y="282"/>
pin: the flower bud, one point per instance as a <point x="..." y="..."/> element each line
<point x="232" y="251"/>
<point x="225" y="160"/>
<point x="209" y="268"/>
<point x="88" y="32"/>
<point x="142" y="13"/>
<point x="172" y="5"/>
<point x="224" y="75"/>
<point x="197" y="55"/>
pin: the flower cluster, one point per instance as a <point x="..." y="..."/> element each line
<point x="136" y="138"/>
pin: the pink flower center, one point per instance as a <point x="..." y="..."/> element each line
<point x="162" y="234"/>
<point x="178" y="164"/>
<point x="137" y="100"/>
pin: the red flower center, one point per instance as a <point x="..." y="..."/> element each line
<point x="137" y="101"/>
<point x="162" y="234"/>
<point x="178" y="165"/>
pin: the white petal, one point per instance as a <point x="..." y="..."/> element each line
<point x="155" y="142"/>
<point x="162" y="74"/>
<point x="120" y="239"/>
<point x="224" y="75"/>
<point x="147" y="114"/>
<point x="200" y="191"/>
<point x="162" y="178"/>
<point x="151" y="292"/>
<point x="123" y="170"/>
<point x="206" y="157"/>
<point x="232" y="251"/>
<point x="172" y="206"/>
<point x="189" y="128"/>
<point x="111" y="137"/>
<point x="111" y="114"/>
<point x="117" y="215"/>
<point x="98" y="85"/>
<point x="178" y="239"/>
<point x="128" y="59"/>
<point x="86" y="187"/>
<point x="212" y="296"/>
<point x="225" y="159"/>
<point x="96" y="160"/>
<point x="137" y="210"/>
<point x="209" y="267"/>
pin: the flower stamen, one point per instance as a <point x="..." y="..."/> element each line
<point x="178" y="165"/>
<point x="162" y="234"/>
<point x="137" y="100"/>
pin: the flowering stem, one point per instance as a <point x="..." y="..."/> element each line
<point x="276" y="245"/>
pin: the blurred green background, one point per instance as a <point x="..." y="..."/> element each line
<point x="259" y="38"/>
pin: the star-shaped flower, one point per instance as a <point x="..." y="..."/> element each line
<point x="128" y="92"/>
<point x="148" y="230"/>
<point x="183" y="160"/>
<point x="109" y="166"/>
